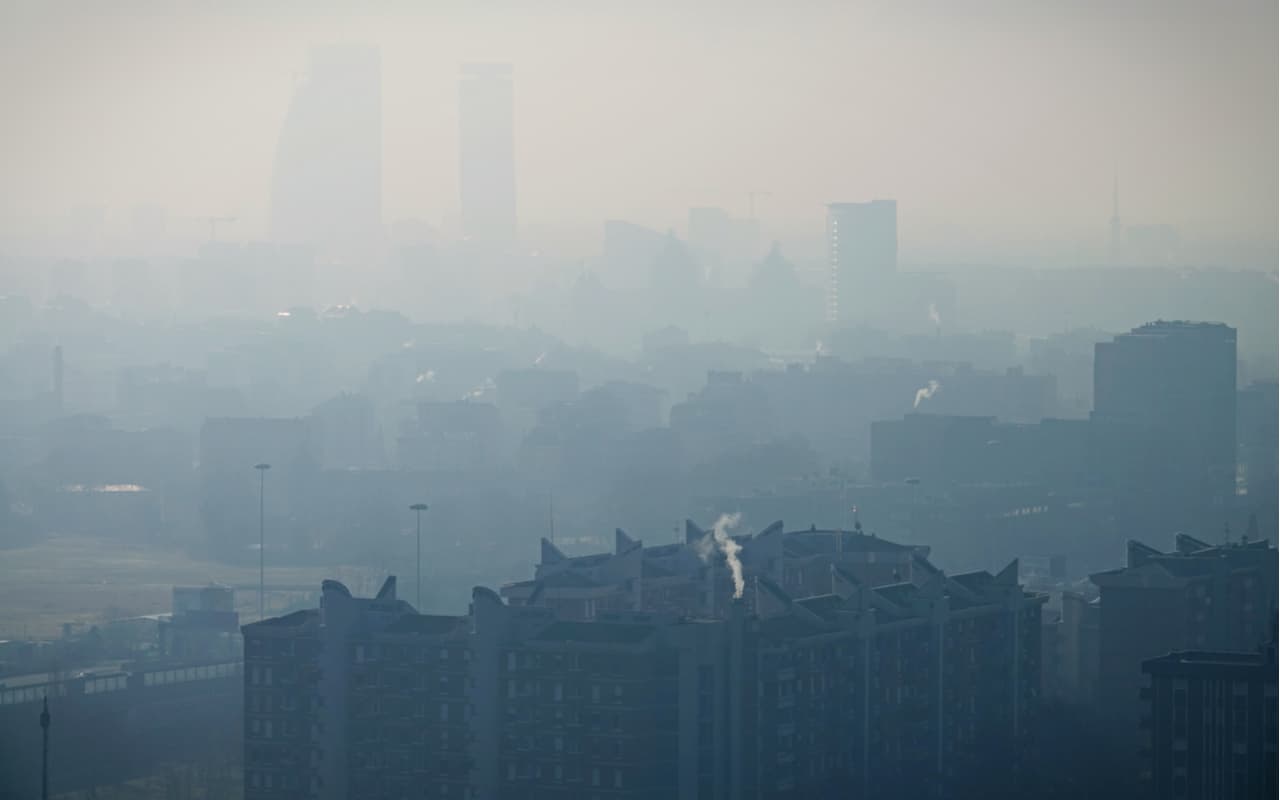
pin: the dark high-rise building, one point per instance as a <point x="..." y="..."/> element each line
<point x="361" y="698"/>
<point x="1166" y="394"/>
<point x="327" y="190"/>
<point x="1199" y="597"/>
<point x="862" y="250"/>
<point x="486" y="163"/>
<point x="1212" y="723"/>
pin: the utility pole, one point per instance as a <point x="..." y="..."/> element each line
<point x="262" y="539"/>
<point x="417" y="509"/>
<point x="44" y="751"/>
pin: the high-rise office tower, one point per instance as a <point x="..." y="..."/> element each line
<point x="327" y="190"/>
<point x="862" y="250"/>
<point x="1168" y="389"/>
<point x="486" y="154"/>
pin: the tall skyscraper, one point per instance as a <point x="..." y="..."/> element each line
<point x="486" y="154"/>
<point x="862" y="249"/>
<point x="327" y="190"/>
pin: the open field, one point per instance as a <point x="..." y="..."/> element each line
<point x="91" y="581"/>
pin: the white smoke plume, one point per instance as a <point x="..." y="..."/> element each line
<point x="926" y="393"/>
<point x="537" y="362"/>
<point x="719" y="539"/>
<point x="426" y="377"/>
<point x="934" y="315"/>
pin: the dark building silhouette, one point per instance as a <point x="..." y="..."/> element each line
<point x="1212" y="722"/>
<point x="1199" y="597"/>
<point x="862" y="250"/>
<point x="639" y="674"/>
<point x="361" y="698"/>
<point x="1166" y="393"/>
<point x="1259" y="444"/>
<point x="487" y="172"/>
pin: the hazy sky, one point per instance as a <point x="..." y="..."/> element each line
<point x="989" y="121"/>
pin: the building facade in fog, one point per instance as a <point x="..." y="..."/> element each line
<point x="486" y="156"/>
<point x="1199" y="597"/>
<point x="862" y="254"/>
<point x="1172" y="385"/>
<point x="1212" y="722"/>
<point x="639" y="674"/>
<point x="327" y="187"/>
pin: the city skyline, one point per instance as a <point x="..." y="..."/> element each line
<point x="1223" y="192"/>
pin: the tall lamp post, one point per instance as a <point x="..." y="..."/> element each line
<point x="262" y="539"/>
<point x="417" y="509"/>
<point x="44" y="750"/>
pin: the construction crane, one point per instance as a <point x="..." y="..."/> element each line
<point x="213" y="226"/>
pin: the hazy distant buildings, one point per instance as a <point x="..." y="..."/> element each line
<point x="723" y="241"/>
<point x="629" y="251"/>
<point x="862" y="250"/>
<point x="486" y="157"/>
<point x="327" y="189"/>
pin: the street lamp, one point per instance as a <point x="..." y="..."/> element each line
<point x="262" y="539"/>
<point x="417" y="509"/>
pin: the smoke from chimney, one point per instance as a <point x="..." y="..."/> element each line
<point x="926" y="393"/>
<point x="719" y="539"/>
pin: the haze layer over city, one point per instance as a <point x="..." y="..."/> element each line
<point x="638" y="400"/>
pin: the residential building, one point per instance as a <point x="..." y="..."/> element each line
<point x="650" y="673"/>
<point x="1198" y="597"/>
<point x="1212" y="722"/>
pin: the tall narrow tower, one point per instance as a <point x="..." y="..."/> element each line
<point x="486" y="154"/>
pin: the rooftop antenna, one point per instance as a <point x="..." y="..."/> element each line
<point x="1116" y="226"/>
<point x="551" y="517"/>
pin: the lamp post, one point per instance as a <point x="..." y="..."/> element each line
<point x="417" y="509"/>
<point x="44" y="750"/>
<point x="262" y="538"/>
